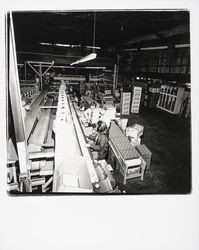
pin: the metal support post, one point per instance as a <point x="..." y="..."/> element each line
<point x="115" y="78"/>
<point x="39" y="73"/>
<point x="16" y="106"/>
<point x="40" y="76"/>
<point x="25" y="71"/>
<point x="132" y="84"/>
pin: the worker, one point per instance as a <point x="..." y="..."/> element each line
<point x="71" y="90"/>
<point x="25" y="106"/>
<point x="92" y="115"/>
<point x="78" y="97"/>
<point x="100" y="144"/>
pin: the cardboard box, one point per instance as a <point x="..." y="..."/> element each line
<point x="135" y="131"/>
<point x="135" y="141"/>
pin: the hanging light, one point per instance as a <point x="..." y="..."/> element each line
<point x="92" y="55"/>
<point x="85" y="59"/>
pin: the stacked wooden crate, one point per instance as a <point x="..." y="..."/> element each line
<point x="28" y="91"/>
<point x="28" y="88"/>
<point x="170" y="99"/>
<point x="82" y="87"/>
<point x="136" y="98"/>
<point x="188" y="110"/>
<point x="153" y="96"/>
<point x="125" y="103"/>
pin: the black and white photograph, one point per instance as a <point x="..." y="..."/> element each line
<point x="99" y="125"/>
<point x="99" y="102"/>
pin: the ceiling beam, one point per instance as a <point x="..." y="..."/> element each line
<point x="178" y="30"/>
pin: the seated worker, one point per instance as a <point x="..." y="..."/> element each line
<point x="100" y="144"/>
<point x="78" y="97"/>
<point x="92" y="115"/>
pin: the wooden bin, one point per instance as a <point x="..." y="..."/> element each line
<point x="145" y="153"/>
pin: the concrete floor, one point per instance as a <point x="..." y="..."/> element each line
<point x="169" y="139"/>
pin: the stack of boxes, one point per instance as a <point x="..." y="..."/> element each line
<point x="107" y="101"/>
<point x="153" y="96"/>
<point x="134" y="133"/>
<point x="82" y="87"/>
<point x="137" y="92"/>
<point x="28" y="91"/>
<point x="145" y="97"/>
<point x="125" y="103"/>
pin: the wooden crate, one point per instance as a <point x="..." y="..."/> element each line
<point x="125" y="103"/>
<point x="170" y="99"/>
<point x="145" y="153"/>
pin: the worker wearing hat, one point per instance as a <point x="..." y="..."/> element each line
<point x="100" y="144"/>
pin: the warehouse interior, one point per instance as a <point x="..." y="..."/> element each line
<point x="98" y="102"/>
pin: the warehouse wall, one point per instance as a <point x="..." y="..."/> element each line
<point x="171" y="64"/>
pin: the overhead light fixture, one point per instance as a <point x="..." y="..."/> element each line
<point x="62" y="45"/>
<point x="45" y="44"/>
<point x="154" y="48"/>
<point x="85" y="59"/>
<point x="75" y="45"/>
<point x="91" y="47"/>
<point x="92" y="55"/>
<point x="182" y="45"/>
<point x="133" y="49"/>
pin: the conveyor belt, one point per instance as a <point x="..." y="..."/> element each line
<point x="71" y="173"/>
<point x="41" y="135"/>
<point x="31" y="116"/>
<point x="40" y="132"/>
<point x="85" y="151"/>
<point x="122" y="143"/>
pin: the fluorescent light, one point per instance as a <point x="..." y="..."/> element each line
<point x="153" y="48"/>
<point x="133" y="49"/>
<point x="182" y="45"/>
<point x="94" y="68"/>
<point x="92" y="47"/>
<point x="85" y="59"/>
<point x="75" y="45"/>
<point x="62" y="45"/>
<point x="45" y="43"/>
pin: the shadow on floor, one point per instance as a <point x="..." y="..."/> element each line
<point x="169" y="139"/>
